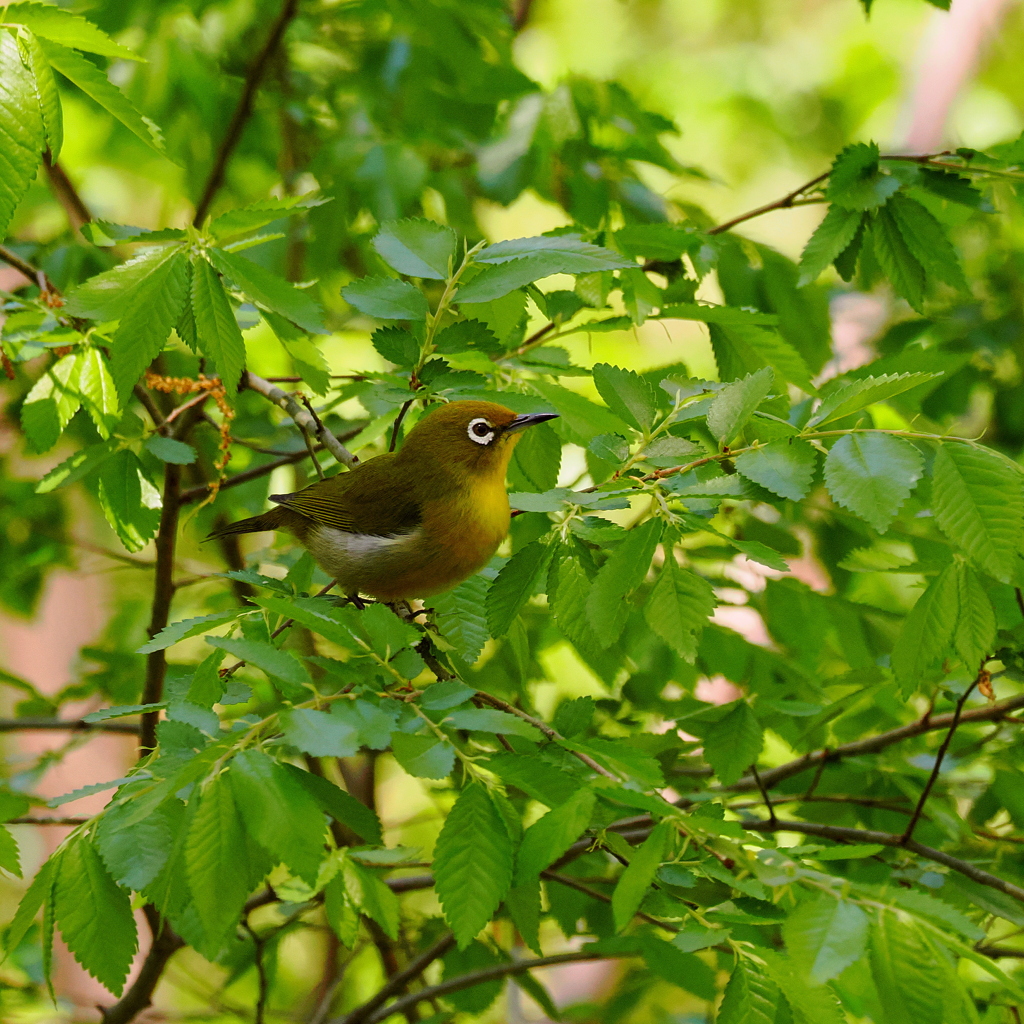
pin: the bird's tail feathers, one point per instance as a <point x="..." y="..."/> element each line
<point x="268" y="521"/>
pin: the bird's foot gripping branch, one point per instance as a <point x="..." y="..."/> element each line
<point x="839" y="836"/>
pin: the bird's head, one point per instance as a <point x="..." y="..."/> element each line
<point x="477" y="437"/>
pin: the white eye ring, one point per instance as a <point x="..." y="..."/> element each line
<point x="486" y="436"/>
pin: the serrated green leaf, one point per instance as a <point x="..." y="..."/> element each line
<point x="830" y="239"/>
<point x="636" y="879"/>
<point x="51" y="403"/>
<point x="898" y="262"/>
<point x="215" y="856"/>
<point x="824" y="936"/>
<point x="577" y="256"/>
<point x="735" y="404"/>
<point x="974" y="637"/>
<point x="66" y="28"/>
<point x="627" y="394"/>
<point x="135" y="855"/>
<point x="128" y="498"/>
<point x="678" y="607"/>
<point x="624" y="571"/>
<point x="725" y="316"/>
<point x="166" y="449"/>
<point x="262" y="212"/>
<point x="583" y="417"/>
<point x="872" y="475"/>
<point x="928" y="631"/>
<point x="387" y="633"/>
<point x="278" y="812"/>
<point x="785" y="467"/>
<point x="95" y="84"/>
<point x="106" y="296"/>
<point x="9" y="859"/>
<point x="38" y="894"/>
<point x="386" y="298"/>
<point x="182" y="630"/>
<point x="373" y="897"/>
<point x="146" y="321"/>
<point x="466" y="336"/>
<point x="492" y="720"/>
<point x="553" y="833"/>
<point x="461" y="618"/>
<point x="907" y="973"/>
<point x="425" y="757"/>
<point x="99" y="396"/>
<point x="978" y="501"/>
<point x="269" y="290"/>
<point x="733" y="743"/>
<point x="94" y="915"/>
<point x="21" y="129"/>
<point x="472" y="863"/>
<point x="856" y="182"/>
<point x="751" y="997"/>
<point x="925" y="238"/>
<point x="756" y="347"/>
<point x="417" y="248"/>
<point x="216" y="327"/>
<point x="396" y="346"/>
<point x="513" y="586"/>
<point x="318" y="733"/>
<point x="812" y="1004"/>
<point x="278" y="664"/>
<point x="341" y="806"/>
<point x="50" y="107"/>
<point x="842" y="397"/>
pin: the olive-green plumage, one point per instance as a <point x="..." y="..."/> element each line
<point x="413" y="523"/>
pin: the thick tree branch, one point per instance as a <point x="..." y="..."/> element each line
<point x="140" y="994"/>
<point x="64" y="725"/>
<point x="244" y="108"/>
<point x="476" y="977"/>
<point x="310" y="425"/>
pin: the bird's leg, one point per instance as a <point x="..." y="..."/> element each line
<point x="402" y="609"/>
<point x="357" y="601"/>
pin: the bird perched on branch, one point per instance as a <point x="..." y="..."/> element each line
<point x="414" y="523"/>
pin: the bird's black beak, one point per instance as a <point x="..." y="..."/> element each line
<point x="528" y="420"/>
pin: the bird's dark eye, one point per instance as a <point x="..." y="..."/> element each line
<point x="480" y="431"/>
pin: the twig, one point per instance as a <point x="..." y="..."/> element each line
<point x="870" y="745"/>
<point x="533" y="340"/>
<point x="937" y="767"/>
<point x="551" y="734"/>
<point x="66" y="193"/>
<point x="26" y="268"/>
<point x="574" y="883"/>
<point x="472" y="978"/>
<point x="841" y="834"/>
<point x="995" y="952"/>
<point x="243" y="110"/>
<point x="398" y="424"/>
<point x="399" y="981"/>
<point x="163" y="593"/>
<point x="197" y="493"/>
<point x="261" y="973"/>
<point x="310" y="425"/>
<point x="185" y="406"/>
<point x="46" y="821"/>
<point x="146" y="399"/>
<point x="64" y="725"/>
<point x="764" y="793"/>
<point x="1020" y="599"/>
<point x="140" y="994"/>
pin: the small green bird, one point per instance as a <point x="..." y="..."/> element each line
<point x="414" y="523"/>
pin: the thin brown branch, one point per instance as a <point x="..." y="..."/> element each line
<point x="995" y="952"/>
<point x="410" y="883"/>
<point x="940" y="756"/>
<point x="27" y="269"/>
<point x="309" y="424"/>
<point x="398" y="982"/>
<point x="197" y="493"/>
<point x="575" y="883"/>
<point x="872" y="744"/>
<point x="764" y="793"/>
<point x="472" y="978"/>
<point x="842" y="834"/>
<point x="552" y="734"/>
<point x="163" y="593"/>
<point x="263" y="989"/>
<point x="63" y="725"/>
<point x="398" y="424"/>
<point x="28" y="820"/>
<point x="243" y="110"/>
<point x="66" y="194"/>
<point x="140" y="994"/>
<point x="147" y="402"/>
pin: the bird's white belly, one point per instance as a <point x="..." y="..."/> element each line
<point x="350" y="556"/>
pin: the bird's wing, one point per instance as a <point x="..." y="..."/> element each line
<point x="365" y="500"/>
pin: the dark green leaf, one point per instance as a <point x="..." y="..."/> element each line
<point x="627" y="394"/>
<point x="341" y="806"/>
<point x="417" y="248"/>
<point x="856" y="182"/>
<point x="21" y="129"/>
<point x="733" y="743"/>
<point x="67" y="28"/>
<point x="625" y="570"/>
<point x="216" y="327"/>
<point x="513" y="586"/>
<point x="318" y="733"/>
<point x="551" y="835"/>
<point x="842" y="397"/>
<point x="168" y="450"/>
<point x="927" y="632"/>
<point x="678" y="607"/>
<point x="735" y="404"/>
<point x="751" y="997"/>
<point x="824" y="936"/>
<point x="396" y="346"/>
<point x="460" y="617"/>
<point x="830" y="239"/>
<point x="785" y="467"/>
<point x="635" y="881"/>
<point x="426" y="757"/>
<point x="386" y="298"/>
